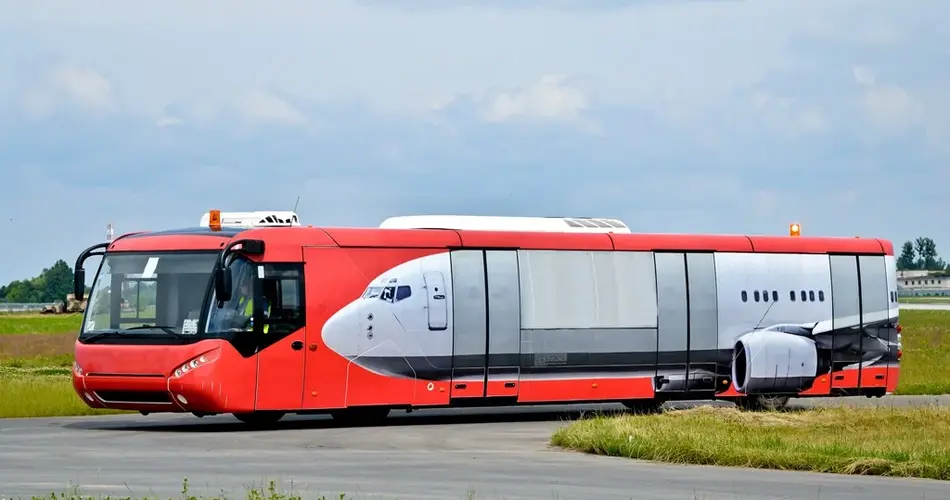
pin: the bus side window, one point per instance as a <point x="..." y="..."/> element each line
<point x="284" y="289"/>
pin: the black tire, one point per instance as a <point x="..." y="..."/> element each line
<point x="260" y="418"/>
<point x="762" y="402"/>
<point x="643" y="406"/>
<point x="369" y="415"/>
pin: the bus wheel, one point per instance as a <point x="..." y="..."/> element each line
<point x="260" y="418"/>
<point x="644" y="406"/>
<point x="762" y="402"/>
<point x="360" y="415"/>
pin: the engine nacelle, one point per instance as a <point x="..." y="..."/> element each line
<point x="774" y="362"/>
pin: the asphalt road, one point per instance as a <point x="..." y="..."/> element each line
<point x="427" y="454"/>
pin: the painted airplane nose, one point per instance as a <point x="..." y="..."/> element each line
<point x="341" y="332"/>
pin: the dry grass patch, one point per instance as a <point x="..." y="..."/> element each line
<point x="885" y="441"/>
<point x="37" y="345"/>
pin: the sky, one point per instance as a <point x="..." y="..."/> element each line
<point x="675" y="116"/>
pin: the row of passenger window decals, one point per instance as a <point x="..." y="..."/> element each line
<point x="763" y="296"/>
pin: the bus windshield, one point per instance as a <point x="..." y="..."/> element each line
<point x="148" y="295"/>
<point x="234" y="315"/>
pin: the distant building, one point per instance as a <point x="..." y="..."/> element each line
<point x="922" y="283"/>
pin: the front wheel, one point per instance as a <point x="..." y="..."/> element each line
<point x="260" y="418"/>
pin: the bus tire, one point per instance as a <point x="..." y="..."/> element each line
<point x="260" y="418"/>
<point x="762" y="402"/>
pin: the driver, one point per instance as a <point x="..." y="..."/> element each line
<point x="245" y="306"/>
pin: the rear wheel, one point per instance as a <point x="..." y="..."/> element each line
<point x="762" y="402"/>
<point x="260" y="418"/>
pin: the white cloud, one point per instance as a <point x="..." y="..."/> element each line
<point x="548" y="99"/>
<point x="68" y="84"/>
<point x="890" y="107"/>
<point x="266" y="107"/>
<point x="83" y="85"/>
<point x="169" y="121"/>
<point x="397" y="59"/>
<point x="788" y="116"/>
<point x="642" y="55"/>
<point x="863" y="75"/>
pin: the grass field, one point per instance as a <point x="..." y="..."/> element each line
<point x="884" y="441"/>
<point x="39" y="323"/>
<point x="925" y="368"/>
<point x="925" y="300"/>
<point x="36" y="356"/>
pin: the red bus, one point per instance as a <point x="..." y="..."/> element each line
<point x="255" y="315"/>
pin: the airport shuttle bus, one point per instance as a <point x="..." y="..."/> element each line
<point x="256" y="315"/>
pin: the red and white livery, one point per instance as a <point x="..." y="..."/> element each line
<point x="256" y="315"/>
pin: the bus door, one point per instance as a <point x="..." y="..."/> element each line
<point x="875" y="321"/>
<point x="672" y="323"/>
<point x="687" y="326"/>
<point x="847" y="321"/>
<point x="486" y="333"/>
<point x="280" y="350"/>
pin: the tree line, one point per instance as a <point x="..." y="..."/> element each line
<point x="921" y="254"/>
<point x="52" y="285"/>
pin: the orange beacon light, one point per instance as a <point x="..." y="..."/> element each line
<point x="794" y="229"/>
<point x="214" y="220"/>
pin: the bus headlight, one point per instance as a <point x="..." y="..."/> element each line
<point x="196" y="362"/>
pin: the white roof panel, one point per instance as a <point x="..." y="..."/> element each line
<point x="504" y="223"/>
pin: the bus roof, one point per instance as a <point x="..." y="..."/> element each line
<point x="203" y="238"/>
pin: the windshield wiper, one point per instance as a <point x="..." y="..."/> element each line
<point x="109" y="333"/>
<point x="166" y="329"/>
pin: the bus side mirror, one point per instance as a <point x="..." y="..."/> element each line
<point x="252" y="247"/>
<point x="222" y="284"/>
<point x="79" y="283"/>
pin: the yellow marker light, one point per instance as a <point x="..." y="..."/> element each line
<point x="214" y="220"/>
<point x="794" y="230"/>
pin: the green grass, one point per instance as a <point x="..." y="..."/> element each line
<point x="882" y="441"/>
<point x="40" y="392"/>
<point x="925" y="368"/>
<point x="39" y="323"/>
<point x="925" y="300"/>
